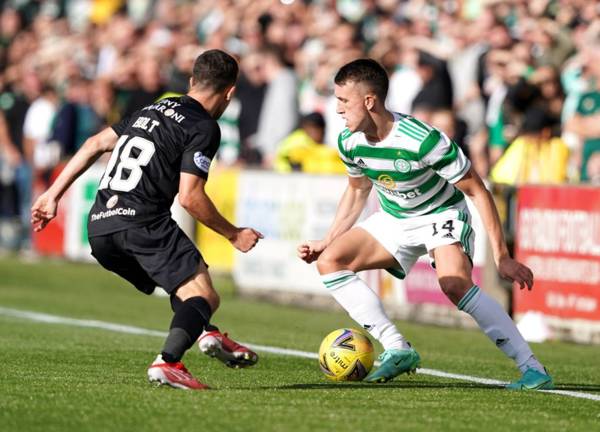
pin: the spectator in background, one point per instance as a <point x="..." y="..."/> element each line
<point x="511" y="94"/>
<point x="179" y="76"/>
<point x="496" y="89"/>
<point x="502" y="56"/>
<point x="436" y="92"/>
<point x="15" y="101"/>
<point x="446" y="121"/>
<point x="76" y="119"/>
<point x="585" y="124"/>
<point x="102" y="100"/>
<point x="150" y="86"/>
<point x="303" y="150"/>
<point x="250" y="91"/>
<point x="547" y="80"/>
<point x="10" y="25"/>
<point x="40" y="155"/>
<point x="593" y="169"/>
<point x="550" y="42"/>
<point x="115" y="40"/>
<point x="37" y="130"/>
<point x="279" y="112"/>
<point x="491" y="71"/>
<point x="10" y="158"/>
<point x="535" y="156"/>
<point x="405" y="82"/>
<point x="464" y="49"/>
<point x="496" y="36"/>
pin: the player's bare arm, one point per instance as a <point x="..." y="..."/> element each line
<point x="349" y="209"/>
<point x="44" y="208"/>
<point x="193" y="198"/>
<point x="510" y="269"/>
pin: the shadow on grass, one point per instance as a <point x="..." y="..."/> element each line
<point x="577" y="387"/>
<point x="399" y="385"/>
<point x="422" y="385"/>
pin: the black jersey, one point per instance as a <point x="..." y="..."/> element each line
<point x="155" y="145"/>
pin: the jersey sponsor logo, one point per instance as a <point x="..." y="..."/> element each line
<point x="171" y="113"/>
<point x="404" y="195"/>
<point x="110" y="213"/>
<point x="169" y="103"/>
<point x="386" y="181"/>
<point x="166" y="107"/>
<point x="402" y="165"/>
<point x="112" y="201"/>
<point x="202" y="161"/>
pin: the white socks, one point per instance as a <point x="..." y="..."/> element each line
<point x="499" y="327"/>
<point x="364" y="307"/>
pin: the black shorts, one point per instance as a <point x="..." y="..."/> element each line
<point x="157" y="254"/>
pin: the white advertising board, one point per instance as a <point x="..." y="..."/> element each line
<point x="287" y="210"/>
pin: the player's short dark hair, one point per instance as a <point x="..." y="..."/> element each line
<point x="215" y="69"/>
<point x="365" y="70"/>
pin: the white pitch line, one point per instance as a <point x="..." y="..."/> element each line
<point x="54" y="319"/>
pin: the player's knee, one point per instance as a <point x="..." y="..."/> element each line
<point x="197" y="290"/>
<point x="454" y="288"/>
<point x="214" y="301"/>
<point x="212" y="297"/>
<point x="329" y="263"/>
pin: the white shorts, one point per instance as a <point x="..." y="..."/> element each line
<point x="408" y="239"/>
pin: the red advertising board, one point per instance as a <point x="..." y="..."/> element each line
<point x="558" y="237"/>
<point x="50" y="241"/>
<point x="422" y="285"/>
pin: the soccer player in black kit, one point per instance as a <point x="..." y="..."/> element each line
<point x="161" y="150"/>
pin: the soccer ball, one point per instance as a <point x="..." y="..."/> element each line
<point x="346" y="355"/>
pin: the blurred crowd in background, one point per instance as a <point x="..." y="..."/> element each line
<point x="516" y="83"/>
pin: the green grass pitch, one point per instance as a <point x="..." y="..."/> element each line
<point x="56" y="377"/>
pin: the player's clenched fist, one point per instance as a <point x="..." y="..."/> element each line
<point x="310" y="250"/>
<point x="245" y="239"/>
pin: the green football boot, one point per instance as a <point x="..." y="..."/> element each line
<point x="394" y="362"/>
<point x="532" y="379"/>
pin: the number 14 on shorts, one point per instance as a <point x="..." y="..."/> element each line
<point x="447" y="226"/>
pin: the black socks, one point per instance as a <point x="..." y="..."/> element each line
<point x="191" y="317"/>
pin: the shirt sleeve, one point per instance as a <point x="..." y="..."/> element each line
<point x="352" y="169"/>
<point x="201" y="149"/>
<point x="120" y="127"/>
<point x="444" y="156"/>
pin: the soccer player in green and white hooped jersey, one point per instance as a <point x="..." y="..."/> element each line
<point x="421" y="177"/>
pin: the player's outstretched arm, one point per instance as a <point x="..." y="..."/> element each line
<point x="193" y="198"/>
<point x="349" y="209"/>
<point x="510" y="269"/>
<point x="44" y="208"/>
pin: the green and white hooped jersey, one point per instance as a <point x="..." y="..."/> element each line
<point x="413" y="169"/>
